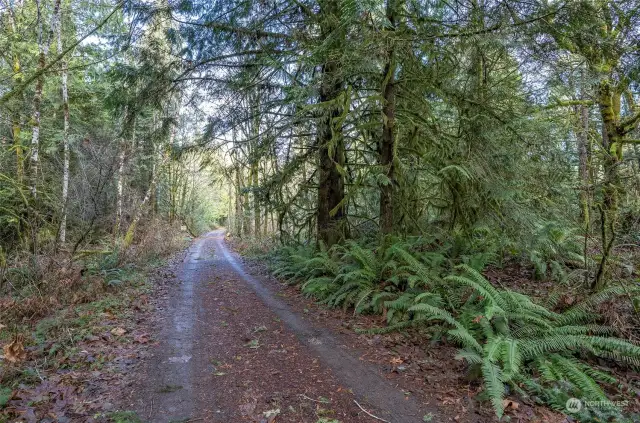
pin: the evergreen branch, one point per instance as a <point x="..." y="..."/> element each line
<point x="23" y="86"/>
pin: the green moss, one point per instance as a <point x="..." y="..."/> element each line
<point x="5" y="395"/>
<point x="124" y="417"/>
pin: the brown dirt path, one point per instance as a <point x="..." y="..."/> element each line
<point x="230" y="351"/>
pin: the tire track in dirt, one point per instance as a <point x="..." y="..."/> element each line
<point x="229" y="351"/>
<point x="365" y="382"/>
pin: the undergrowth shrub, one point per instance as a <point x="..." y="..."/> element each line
<point x="553" y="249"/>
<point x="35" y="286"/>
<point x="255" y="247"/>
<point x="153" y="241"/>
<point x="513" y="342"/>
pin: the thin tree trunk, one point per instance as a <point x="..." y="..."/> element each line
<point x="246" y="205"/>
<point x="238" y="217"/>
<point x="128" y="238"/>
<point x="582" y="136"/>
<point x="265" y="226"/>
<point x="16" y="130"/>
<point x="230" y="218"/>
<point x="583" y="166"/>
<point x="122" y="155"/>
<point x="609" y="102"/>
<point x="120" y="187"/>
<point x="155" y="171"/>
<point x="16" y="119"/>
<point x="65" y="141"/>
<point x="174" y="178"/>
<point x="43" y="48"/>
<point x="183" y="196"/>
<point x="256" y="203"/>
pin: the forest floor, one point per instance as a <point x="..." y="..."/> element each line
<point x="232" y="350"/>
<point x="210" y="337"/>
<point x="235" y="345"/>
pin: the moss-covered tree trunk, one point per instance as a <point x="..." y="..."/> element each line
<point x="238" y="206"/>
<point x="612" y="134"/>
<point x="246" y="204"/>
<point x="331" y="218"/>
<point x="388" y="141"/>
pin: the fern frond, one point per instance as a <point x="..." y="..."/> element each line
<point x="493" y="383"/>
<point x="580" y="379"/>
<point x="511" y="358"/>
<point x="477" y="281"/>
<point x="460" y="333"/>
<point x="360" y="305"/>
<point x="470" y="356"/>
<point x="583" y="310"/>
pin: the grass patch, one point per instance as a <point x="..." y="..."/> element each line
<point x="5" y="395"/>
<point x="124" y="417"/>
<point x="167" y="389"/>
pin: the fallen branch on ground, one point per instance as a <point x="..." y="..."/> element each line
<point x="371" y="415"/>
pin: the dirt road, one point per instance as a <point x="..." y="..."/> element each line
<point x="231" y="351"/>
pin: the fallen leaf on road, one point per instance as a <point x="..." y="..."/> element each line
<point x="118" y="331"/>
<point x="14" y="352"/>
<point x="181" y="359"/>
<point x="141" y="339"/>
<point x="506" y="403"/>
<point x="253" y="344"/>
<point x="270" y="416"/>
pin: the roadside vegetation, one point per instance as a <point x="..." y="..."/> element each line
<point x="97" y="189"/>
<point x="540" y="346"/>
<point x="469" y="170"/>
<point x="69" y="329"/>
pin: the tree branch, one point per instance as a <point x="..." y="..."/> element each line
<point x="20" y="88"/>
<point x="629" y="123"/>
<point x="568" y="103"/>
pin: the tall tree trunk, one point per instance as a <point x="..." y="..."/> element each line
<point x="65" y="141"/>
<point x="230" y="218"/>
<point x="584" y="171"/>
<point x="122" y="156"/>
<point x="239" y="218"/>
<point x="16" y="127"/>
<point x="331" y="219"/>
<point x="582" y="137"/>
<point x="174" y="176"/>
<point x="265" y="226"/>
<point x="183" y="196"/>
<point x="16" y="118"/>
<point x="609" y="102"/>
<point x="120" y="186"/>
<point x="388" y="142"/>
<point x="256" y="203"/>
<point x="43" y="48"/>
<point x="583" y="163"/>
<point x="246" y="203"/>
